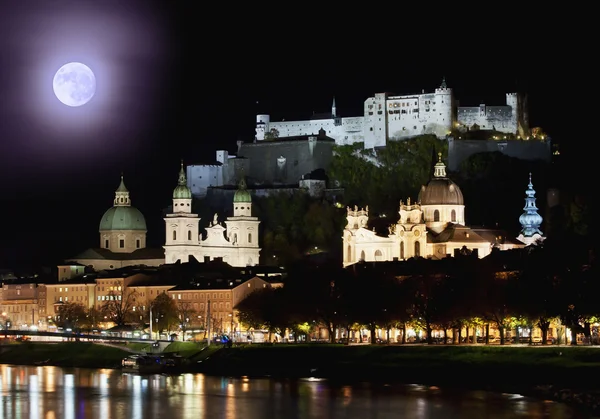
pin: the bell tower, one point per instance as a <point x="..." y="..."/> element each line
<point x="182" y="235"/>
<point x="530" y="219"/>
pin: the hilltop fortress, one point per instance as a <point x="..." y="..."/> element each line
<point x="285" y="154"/>
<point x="389" y="118"/>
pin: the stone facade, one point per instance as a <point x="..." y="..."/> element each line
<point x="286" y="161"/>
<point x="226" y="170"/>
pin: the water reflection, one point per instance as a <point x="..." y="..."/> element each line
<point x="49" y="393"/>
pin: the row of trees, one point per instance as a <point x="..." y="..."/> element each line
<point x="545" y="285"/>
<point x="122" y="309"/>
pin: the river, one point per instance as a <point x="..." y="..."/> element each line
<point x="74" y="393"/>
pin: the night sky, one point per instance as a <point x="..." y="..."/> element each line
<point x="173" y="83"/>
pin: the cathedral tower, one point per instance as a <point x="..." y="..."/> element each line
<point x="242" y="229"/>
<point x="182" y="236"/>
<point x="530" y="219"/>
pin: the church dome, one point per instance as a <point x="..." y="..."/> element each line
<point x="182" y="191"/>
<point x="440" y="190"/>
<point x="242" y="194"/>
<point x="123" y="218"/>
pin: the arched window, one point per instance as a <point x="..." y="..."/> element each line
<point x="453" y="216"/>
<point x="436" y="215"/>
<point x="401" y="250"/>
<point x="362" y="255"/>
<point x="234" y="238"/>
<point x="189" y="234"/>
<point x="174" y="235"/>
<point x="349" y="254"/>
<point x="417" y="249"/>
<point x="249" y="237"/>
<point x="378" y="255"/>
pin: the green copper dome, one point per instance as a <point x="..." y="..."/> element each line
<point x="181" y="190"/>
<point x="242" y="194"/>
<point x="123" y="218"/>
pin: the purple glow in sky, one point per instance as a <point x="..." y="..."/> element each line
<point x="125" y="43"/>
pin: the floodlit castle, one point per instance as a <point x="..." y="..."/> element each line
<point x="237" y="243"/>
<point x="388" y="117"/>
<point x="433" y="227"/>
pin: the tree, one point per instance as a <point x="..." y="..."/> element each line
<point x="119" y="306"/>
<point x="186" y="313"/>
<point x="164" y="313"/>
<point x="250" y="310"/>
<point x="93" y="318"/>
<point x="71" y="315"/>
<point x="273" y="134"/>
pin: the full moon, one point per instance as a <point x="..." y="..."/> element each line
<point x="74" y="84"/>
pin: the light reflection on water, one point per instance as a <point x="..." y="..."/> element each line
<point x="51" y="393"/>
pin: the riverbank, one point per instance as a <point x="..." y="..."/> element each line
<point x="566" y="374"/>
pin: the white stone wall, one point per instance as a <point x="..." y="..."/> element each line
<point x="500" y="118"/>
<point x="348" y="132"/>
<point x="201" y="177"/>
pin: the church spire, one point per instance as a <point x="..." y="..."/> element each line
<point x="122" y="195"/>
<point x="182" y="181"/>
<point x="439" y="170"/>
<point x="530" y="219"/>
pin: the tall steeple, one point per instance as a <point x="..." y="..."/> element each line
<point x="122" y="195"/>
<point x="182" y="181"/>
<point x="333" y="109"/>
<point x="182" y="195"/>
<point x="530" y="219"/>
<point x="182" y="225"/>
<point x="439" y="170"/>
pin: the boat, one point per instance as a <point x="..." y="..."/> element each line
<point x="148" y="364"/>
<point x="143" y="364"/>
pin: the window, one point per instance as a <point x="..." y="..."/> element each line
<point x="402" y="250"/>
<point x="362" y="255"/>
<point x="189" y="234"/>
<point x="174" y="235"/>
<point x="453" y="216"/>
<point x="137" y="244"/>
<point x="417" y="249"/>
<point x="378" y="255"/>
<point x="349" y="254"/>
<point x="106" y="244"/>
<point x="121" y="243"/>
<point x="249" y="237"/>
<point x="436" y="215"/>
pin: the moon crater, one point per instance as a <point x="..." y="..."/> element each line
<point x="74" y="84"/>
